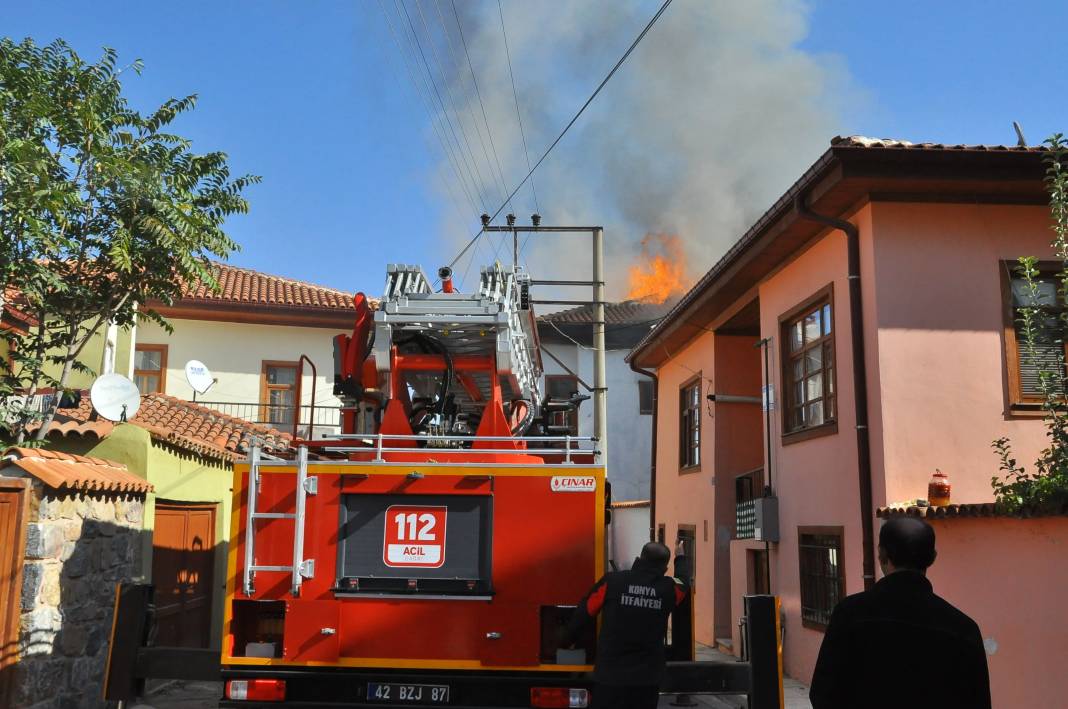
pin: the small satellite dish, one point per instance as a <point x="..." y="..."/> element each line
<point x="115" y="397"/>
<point x="199" y="376"/>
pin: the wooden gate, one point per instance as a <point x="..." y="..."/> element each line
<point x="14" y="499"/>
<point x="183" y="561"/>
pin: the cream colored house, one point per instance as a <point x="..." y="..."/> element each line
<point x="267" y="340"/>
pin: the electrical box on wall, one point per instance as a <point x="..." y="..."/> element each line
<point x="766" y="521"/>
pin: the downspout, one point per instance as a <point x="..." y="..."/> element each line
<point x="860" y="379"/>
<point x="652" y="452"/>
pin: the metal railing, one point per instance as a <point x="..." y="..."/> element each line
<point x="281" y="417"/>
<point x="745" y="520"/>
<point x="378" y="443"/>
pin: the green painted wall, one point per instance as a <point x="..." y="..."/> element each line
<point x="177" y="476"/>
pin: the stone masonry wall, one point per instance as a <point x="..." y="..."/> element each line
<point x="78" y="546"/>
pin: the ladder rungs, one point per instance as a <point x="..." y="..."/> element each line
<point x="273" y="515"/>
<point x="287" y="569"/>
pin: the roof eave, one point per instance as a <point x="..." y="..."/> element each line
<point x="905" y="173"/>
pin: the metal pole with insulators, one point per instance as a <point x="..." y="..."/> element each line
<point x="600" y="387"/>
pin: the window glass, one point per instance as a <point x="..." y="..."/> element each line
<point x="822" y="578"/>
<point x="808" y="368"/>
<point x="645" y="397"/>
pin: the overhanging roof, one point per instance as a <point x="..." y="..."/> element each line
<point x="851" y="171"/>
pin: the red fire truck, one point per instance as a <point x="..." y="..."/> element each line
<point x="430" y="553"/>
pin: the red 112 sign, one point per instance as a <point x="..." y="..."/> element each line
<point x="415" y="536"/>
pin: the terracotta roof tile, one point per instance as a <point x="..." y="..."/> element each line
<point x="76" y="472"/>
<point x="860" y="141"/>
<point x="248" y="287"/>
<point x="179" y="422"/>
<point x="980" y="509"/>
<point x="630" y="504"/>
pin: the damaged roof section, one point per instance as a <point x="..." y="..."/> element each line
<point x="76" y="472"/>
<point x="625" y="323"/>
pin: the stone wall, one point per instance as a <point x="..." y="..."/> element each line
<point x="78" y="546"/>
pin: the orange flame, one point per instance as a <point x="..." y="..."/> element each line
<point x="662" y="272"/>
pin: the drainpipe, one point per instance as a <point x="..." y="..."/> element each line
<point x="860" y="379"/>
<point x="652" y="453"/>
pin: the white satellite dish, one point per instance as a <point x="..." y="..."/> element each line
<point x="115" y="397"/>
<point x="199" y="376"/>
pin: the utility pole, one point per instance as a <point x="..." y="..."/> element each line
<point x="600" y="383"/>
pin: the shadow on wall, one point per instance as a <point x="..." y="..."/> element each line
<point x="79" y="546"/>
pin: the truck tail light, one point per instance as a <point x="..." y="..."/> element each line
<point x="559" y="697"/>
<point x="260" y="690"/>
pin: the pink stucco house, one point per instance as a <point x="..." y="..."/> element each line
<point x="874" y="300"/>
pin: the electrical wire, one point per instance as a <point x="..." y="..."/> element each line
<point x="570" y="123"/>
<point x="518" y="113"/>
<point x="452" y="99"/>
<point x="478" y="93"/>
<point x="441" y="102"/>
<point x="498" y="177"/>
<point x="427" y="106"/>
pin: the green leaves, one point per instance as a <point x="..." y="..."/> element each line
<point x="101" y="211"/>
<point x="1046" y="489"/>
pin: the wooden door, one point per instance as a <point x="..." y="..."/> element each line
<point x="14" y="497"/>
<point x="183" y="561"/>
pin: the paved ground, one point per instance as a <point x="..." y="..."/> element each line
<point x="205" y="695"/>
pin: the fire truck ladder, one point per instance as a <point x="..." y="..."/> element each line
<point x="302" y="568"/>
<point x="496" y="320"/>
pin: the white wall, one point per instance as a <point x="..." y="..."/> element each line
<point x="629" y="433"/>
<point x="629" y="532"/>
<point x="235" y="352"/>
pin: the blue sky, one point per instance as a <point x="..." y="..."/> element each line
<point x="309" y="95"/>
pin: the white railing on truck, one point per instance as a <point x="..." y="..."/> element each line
<point x="377" y="442"/>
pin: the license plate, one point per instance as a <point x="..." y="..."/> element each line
<point x="407" y="693"/>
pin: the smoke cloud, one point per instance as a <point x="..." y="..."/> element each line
<point x="706" y="124"/>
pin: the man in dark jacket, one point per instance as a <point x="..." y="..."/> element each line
<point x="899" y="645"/>
<point x="635" y="605"/>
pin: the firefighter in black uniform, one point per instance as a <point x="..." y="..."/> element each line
<point x="630" y="648"/>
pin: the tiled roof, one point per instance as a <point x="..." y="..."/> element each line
<point x="76" y="472"/>
<point x="860" y="141"/>
<point x="12" y="315"/>
<point x="982" y="509"/>
<point x="630" y="504"/>
<point x="181" y="423"/>
<point x="629" y="312"/>
<point x="248" y="287"/>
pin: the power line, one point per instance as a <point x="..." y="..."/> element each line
<point x="437" y="94"/>
<point x="518" y="113"/>
<point x="571" y="122"/>
<point x="498" y="180"/>
<point x="452" y="99"/>
<point x="478" y="93"/>
<point x="431" y="114"/>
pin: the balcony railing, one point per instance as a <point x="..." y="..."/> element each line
<point x="745" y="520"/>
<point x="303" y="421"/>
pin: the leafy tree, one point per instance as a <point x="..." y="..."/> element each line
<point x="1046" y="488"/>
<point x="101" y="210"/>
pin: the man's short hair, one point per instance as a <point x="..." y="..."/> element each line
<point x="655" y="554"/>
<point x="909" y="543"/>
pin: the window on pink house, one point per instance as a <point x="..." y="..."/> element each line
<point x="1025" y="363"/>
<point x="690" y="425"/>
<point x="808" y="374"/>
<point x="822" y="576"/>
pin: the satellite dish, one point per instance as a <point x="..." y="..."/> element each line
<point x="115" y="397"/>
<point x="199" y="376"/>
